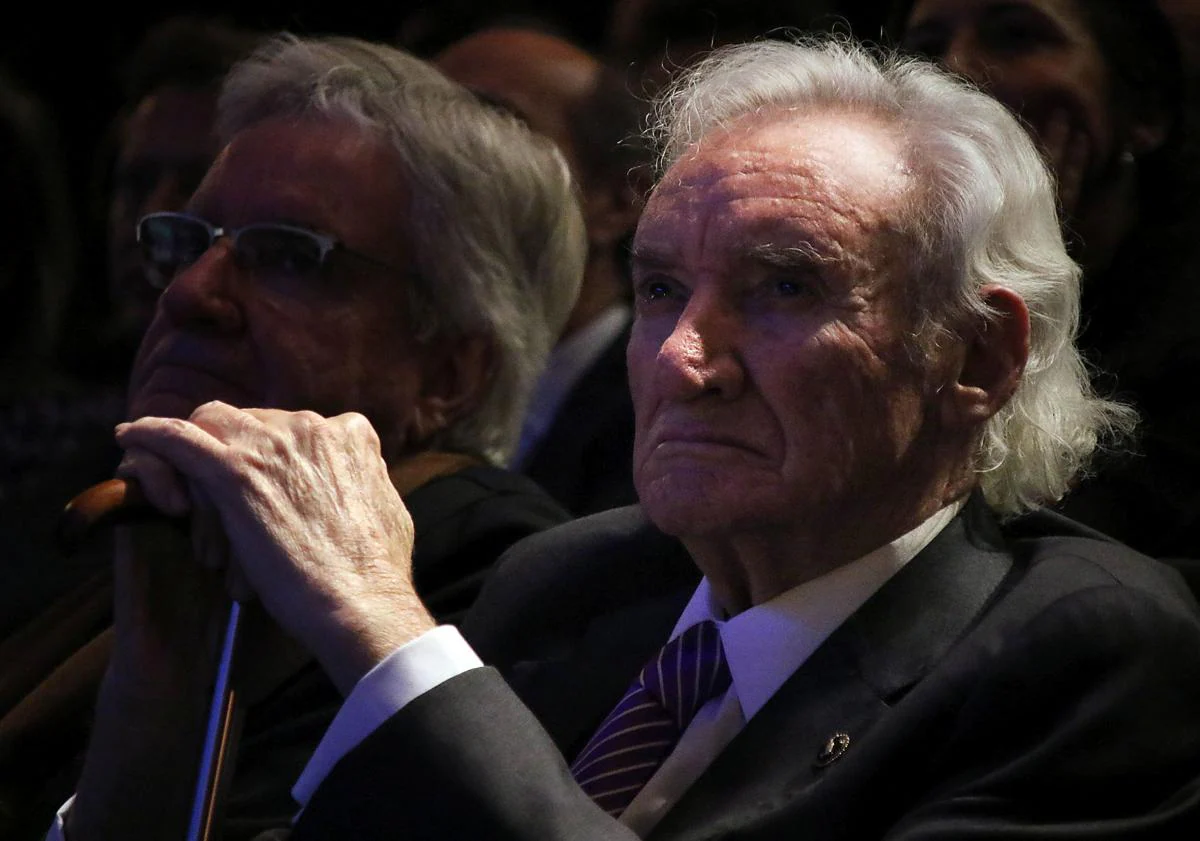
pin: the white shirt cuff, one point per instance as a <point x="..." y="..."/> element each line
<point x="58" y="831"/>
<point x="408" y="672"/>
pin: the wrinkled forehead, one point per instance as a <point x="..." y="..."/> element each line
<point x="835" y="175"/>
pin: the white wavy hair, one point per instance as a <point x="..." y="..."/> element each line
<point x="985" y="215"/>
<point x="493" y="219"/>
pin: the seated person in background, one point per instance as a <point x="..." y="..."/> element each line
<point x="852" y="369"/>
<point x="372" y="239"/>
<point x="652" y="40"/>
<point x="165" y="141"/>
<point x="1100" y="87"/>
<point x="577" y="439"/>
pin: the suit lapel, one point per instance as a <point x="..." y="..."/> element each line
<point x="848" y="684"/>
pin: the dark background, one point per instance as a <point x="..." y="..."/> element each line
<point x="69" y="59"/>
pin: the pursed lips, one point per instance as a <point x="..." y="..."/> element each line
<point x="700" y="439"/>
<point x="192" y="377"/>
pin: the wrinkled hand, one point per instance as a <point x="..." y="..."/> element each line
<point x="300" y="510"/>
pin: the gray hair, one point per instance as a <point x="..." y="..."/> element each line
<point x="493" y="219"/>
<point x="985" y="216"/>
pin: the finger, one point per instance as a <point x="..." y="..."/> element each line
<point x="225" y="422"/>
<point x="303" y="429"/>
<point x="281" y="419"/>
<point x="162" y="486"/>
<point x="188" y="449"/>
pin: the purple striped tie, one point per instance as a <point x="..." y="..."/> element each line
<point x="638" y="734"/>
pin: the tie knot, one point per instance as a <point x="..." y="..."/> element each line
<point x="688" y="672"/>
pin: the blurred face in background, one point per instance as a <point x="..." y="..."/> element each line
<point x="166" y="147"/>
<point x="1040" y="59"/>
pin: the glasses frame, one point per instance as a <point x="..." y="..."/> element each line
<point x="326" y="244"/>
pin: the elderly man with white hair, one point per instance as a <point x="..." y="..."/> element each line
<point x="837" y="612"/>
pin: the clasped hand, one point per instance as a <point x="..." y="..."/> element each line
<point x="298" y="510"/>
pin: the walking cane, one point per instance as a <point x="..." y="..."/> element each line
<point x="121" y="501"/>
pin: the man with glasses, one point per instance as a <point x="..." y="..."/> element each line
<point x="375" y="246"/>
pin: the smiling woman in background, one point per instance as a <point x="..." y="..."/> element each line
<point x="1100" y="87"/>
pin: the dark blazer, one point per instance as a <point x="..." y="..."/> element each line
<point x="585" y="459"/>
<point x="1033" y="682"/>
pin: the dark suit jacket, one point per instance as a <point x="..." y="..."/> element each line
<point x="585" y="459"/>
<point x="1035" y="682"/>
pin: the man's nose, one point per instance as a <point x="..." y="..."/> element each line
<point x="702" y="355"/>
<point x="204" y="295"/>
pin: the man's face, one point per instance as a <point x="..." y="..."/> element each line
<point x="167" y="145"/>
<point x="332" y="342"/>
<point x="771" y="381"/>
<point x="1039" y="58"/>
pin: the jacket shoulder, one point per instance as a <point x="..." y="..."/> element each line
<point x="559" y="579"/>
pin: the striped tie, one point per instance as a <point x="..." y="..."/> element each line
<point x="638" y="734"/>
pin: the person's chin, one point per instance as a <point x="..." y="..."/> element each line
<point x="687" y="501"/>
<point x="176" y="392"/>
<point x="162" y="404"/>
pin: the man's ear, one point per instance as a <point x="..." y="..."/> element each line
<point x="990" y="363"/>
<point x="454" y="378"/>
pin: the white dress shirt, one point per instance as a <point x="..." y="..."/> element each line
<point x="764" y="645"/>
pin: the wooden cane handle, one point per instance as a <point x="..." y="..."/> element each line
<point x="109" y="503"/>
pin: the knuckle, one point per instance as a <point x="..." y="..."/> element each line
<point x="306" y="424"/>
<point x="308" y="418"/>
<point x="244" y="459"/>
<point x="213" y="408"/>
<point x="358" y="426"/>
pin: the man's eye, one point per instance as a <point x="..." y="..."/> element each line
<point x="656" y="288"/>
<point x="788" y="286"/>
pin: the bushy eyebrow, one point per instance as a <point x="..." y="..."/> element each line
<point x="650" y="257"/>
<point x="802" y="255"/>
<point x="799" y="256"/>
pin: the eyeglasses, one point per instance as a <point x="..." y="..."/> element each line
<point x="172" y="241"/>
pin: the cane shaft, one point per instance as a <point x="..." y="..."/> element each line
<point x="120" y="501"/>
<point x="224" y="724"/>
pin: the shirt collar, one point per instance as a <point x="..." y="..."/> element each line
<point x="765" y="644"/>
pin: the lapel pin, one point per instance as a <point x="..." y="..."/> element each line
<point x="834" y="748"/>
